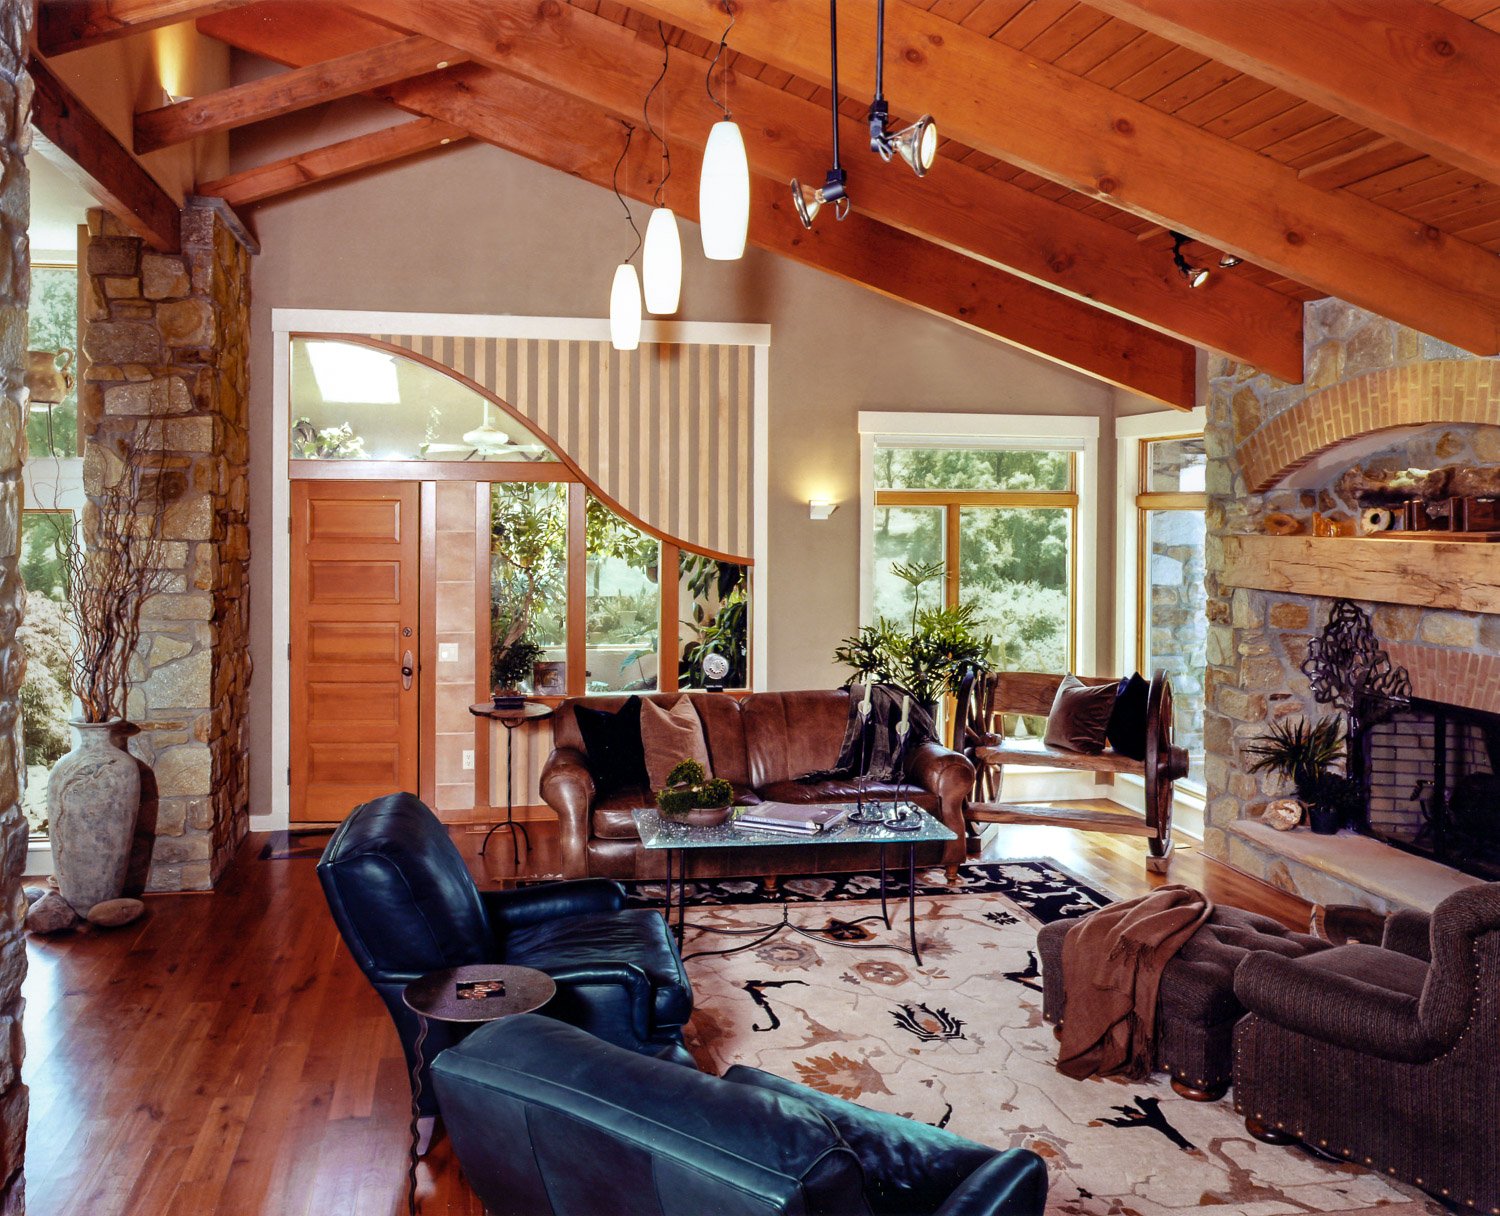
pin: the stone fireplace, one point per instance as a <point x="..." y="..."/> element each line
<point x="1378" y="399"/>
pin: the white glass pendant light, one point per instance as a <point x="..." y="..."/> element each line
<point x="724" y="194"/>
<point x="661" y="263"/>
<point x="625" y="308"/>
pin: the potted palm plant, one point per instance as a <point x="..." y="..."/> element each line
<point x="1307" y="755"/>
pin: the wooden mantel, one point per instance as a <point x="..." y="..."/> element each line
<point x="1434" y="574"/>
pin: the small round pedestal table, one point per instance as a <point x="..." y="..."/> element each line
<point x="482" y="992"/>
<point x="510" y="718"/>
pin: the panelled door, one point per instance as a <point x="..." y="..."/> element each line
<point x="354" y="633"/>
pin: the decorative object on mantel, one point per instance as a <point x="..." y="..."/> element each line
<point x="1329" y="525"/>
<point x="1283" y="814"/>
<point x="1279" y="523"/>
<point x="1374" y="520"/>
<point x="661" y="262"/>
<point x="724" y="182"/>
<point x="692" y="797"/>
<point x="94" y="793"/>
<point x="807" y="200"/>
<point x="625" y="290"/>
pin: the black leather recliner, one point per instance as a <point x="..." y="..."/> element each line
<point x="406" y="905"/>
<point x="547" y="1121"/>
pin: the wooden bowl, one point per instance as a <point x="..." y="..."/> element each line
<point x="704" y="816"/>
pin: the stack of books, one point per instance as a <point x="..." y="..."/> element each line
<point x="793" y="819"/>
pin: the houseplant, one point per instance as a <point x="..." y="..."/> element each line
<point x="928" y="654"/>
<point x="113" y="564"/>
<point x="1306" y="755"/>
<point x="692" y="797"/>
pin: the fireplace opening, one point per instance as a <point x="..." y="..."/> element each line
<point x="1431" y="776"/>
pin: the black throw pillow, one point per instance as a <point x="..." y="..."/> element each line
<point x="1127" y="721"/>
<point x="1080" y="716"/>
<point x="612" y="741"/>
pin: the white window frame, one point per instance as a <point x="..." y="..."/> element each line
<point x="1077" y="434"/>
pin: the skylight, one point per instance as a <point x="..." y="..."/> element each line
<point x="353" y="375"/>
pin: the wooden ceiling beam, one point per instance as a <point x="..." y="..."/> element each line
<point x="286" y="92"/>
<point x="334" y="160"/>
<point x="1050" y="122"/>
<point x="964" y="210"/>
<point x="1406" y="68"/>
<point x="71" y="25"/>
<point x="103" y="167"/>
<point x="577" y="137"/>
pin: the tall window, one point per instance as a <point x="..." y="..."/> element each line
<point x="1001" y="524"/>
<point x="1171" y="602"/>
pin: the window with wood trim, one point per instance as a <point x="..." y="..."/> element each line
<point x="1171" y="601"/>
<point x="1002" y="525"/>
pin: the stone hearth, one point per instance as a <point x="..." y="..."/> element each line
<point x="1378" y="397"/>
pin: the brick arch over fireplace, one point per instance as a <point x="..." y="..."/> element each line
<point x="1440" y="391"/>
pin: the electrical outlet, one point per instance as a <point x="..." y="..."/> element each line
<point x="468" y="759"/>
<point x="447" y="652"/>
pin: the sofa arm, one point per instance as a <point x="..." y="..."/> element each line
<point x="548" y="901"/>
<point x="1410" y="932"/>
<point x="1333" y="1007"/>
<point x="1012" y="1183"/>
<point x="612" y="1001"/>
<point x="568" y="788"/>
<point x="940" y="771"/>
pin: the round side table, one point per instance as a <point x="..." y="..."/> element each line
<point x="531" y="711"/>
<point x="437" y="996"/>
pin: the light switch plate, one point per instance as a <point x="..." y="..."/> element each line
<point x="447" y="652"/>
<point x="468" y="759"/>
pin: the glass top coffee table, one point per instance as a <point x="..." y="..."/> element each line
<point x="680" y="841"/>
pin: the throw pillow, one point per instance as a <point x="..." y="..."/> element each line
<point x="612" y="741"/>
<point x="1080" y="716"/>
<point x="1127" y="721"/>
<point x="670" y="736"/>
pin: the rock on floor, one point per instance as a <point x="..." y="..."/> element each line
<point x="113" y="913"/>
<point x="50" y="914"/>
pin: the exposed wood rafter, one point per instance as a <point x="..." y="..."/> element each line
<point x="71" y="25"/>
<point x="1403" y="67"/>
<point x="574" y="51"/>
<point x="289" y="91"/>
<point x="323" y="164"/>
<point x="104" y="168"/>
<point x="579" y="138"/>
<point x="1085" y="136"/>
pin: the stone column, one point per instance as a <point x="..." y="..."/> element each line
<point x="15" y="291"/>
<point x="167" y="338"/>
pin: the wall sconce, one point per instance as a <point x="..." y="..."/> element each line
<point x="820" y="508"/>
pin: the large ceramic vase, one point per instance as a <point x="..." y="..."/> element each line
<point x="93" y="799"/>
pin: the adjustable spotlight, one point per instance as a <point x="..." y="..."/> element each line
<point x="1196" y="276"/>
<point x="1226" y="260"/>
<point x="809" y="201"/>
<point x="917" y="144"/>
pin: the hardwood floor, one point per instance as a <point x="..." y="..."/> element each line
<point x="224" y="1056"/>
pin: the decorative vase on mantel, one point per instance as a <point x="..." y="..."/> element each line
<point x="93" y="800"/>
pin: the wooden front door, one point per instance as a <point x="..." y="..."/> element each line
<point x="354" y="645"/>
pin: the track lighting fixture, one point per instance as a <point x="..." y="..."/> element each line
<point x="807" y="200"/>
<point x="724" y="184"/>
<point x="1226" y="260"/>
<point x="1195" y="276"/>
<point x="916" y="144"/>
<point x="625" y="290"/>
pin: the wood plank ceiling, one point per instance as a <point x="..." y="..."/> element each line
<point x="1348" y="147"/>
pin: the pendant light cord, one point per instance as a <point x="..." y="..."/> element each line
<point x="708" y="79"/>
<point x="879" y="50"/>
<point x="615" y="183"/>
<point x="833" y="64"/>
<point x="666" y="155"/>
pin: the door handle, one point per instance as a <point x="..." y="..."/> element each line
<point x="406" y="670"/>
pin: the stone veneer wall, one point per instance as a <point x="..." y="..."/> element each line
<point x="1364" y="373"/>
<point x="15" y="291"/>
<point x="167" y="339"/>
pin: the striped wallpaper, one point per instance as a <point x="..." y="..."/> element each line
<point x="664" y="431"/>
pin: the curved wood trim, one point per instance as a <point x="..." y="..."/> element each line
<point x="453" y="469"/>
<point x="1414" y="394"/>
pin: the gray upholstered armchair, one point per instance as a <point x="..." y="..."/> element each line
<point x="1385" y="1055"/>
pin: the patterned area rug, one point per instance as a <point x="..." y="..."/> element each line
<point x="960" y="1043"/>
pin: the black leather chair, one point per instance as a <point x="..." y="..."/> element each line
<point x="406" y="905"/>
<point x="547" y="1120"/>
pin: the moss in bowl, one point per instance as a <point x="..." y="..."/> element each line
<point x="692" y="797"/>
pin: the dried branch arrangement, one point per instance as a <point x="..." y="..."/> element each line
<point x="113" y="564"/>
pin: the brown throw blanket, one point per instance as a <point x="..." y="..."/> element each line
<point x="1112" y="963"/>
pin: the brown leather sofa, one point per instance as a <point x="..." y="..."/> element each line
<point x="760" y="744"/>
